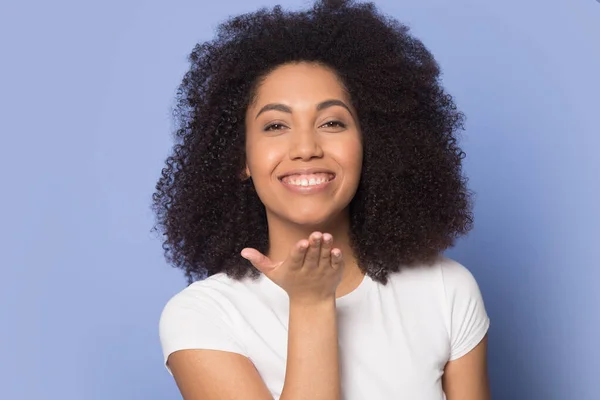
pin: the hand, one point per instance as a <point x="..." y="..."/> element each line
<point x="311" y="272"/>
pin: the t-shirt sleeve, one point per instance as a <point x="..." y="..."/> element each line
<point x="468" y="318"/>
<point x="194" y="319"/>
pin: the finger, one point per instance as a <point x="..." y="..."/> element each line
<point x="298" y="253"/>
<point x="313" y="252"/>
<point x="259" y="260"/>
<point x="325" y="255"/>
<point x="337" y="261"/>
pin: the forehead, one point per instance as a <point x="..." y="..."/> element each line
<point x="300" y="82"/>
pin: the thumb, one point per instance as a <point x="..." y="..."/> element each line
<point x="259" y="260"/>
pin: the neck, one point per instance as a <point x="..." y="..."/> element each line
<point x="284" y="234"/>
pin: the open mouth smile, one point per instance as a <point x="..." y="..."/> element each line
<point x="308" y="181"/>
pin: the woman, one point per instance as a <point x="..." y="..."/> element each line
<point x="315" y="183"/>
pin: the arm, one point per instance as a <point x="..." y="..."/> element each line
<point x="465" y="374"/>
<point x="312" y="370"/>
<point x="215" y="374"/>
<point x="466" y="378"/>
<point x="310" y="276"/>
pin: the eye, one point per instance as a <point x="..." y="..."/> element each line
<point x="334" y="124"/>
<point x="274" y="127"/>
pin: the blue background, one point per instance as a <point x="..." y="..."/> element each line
<point x="85" y="93"/>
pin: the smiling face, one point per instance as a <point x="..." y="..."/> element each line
<point x="303" y="145"/>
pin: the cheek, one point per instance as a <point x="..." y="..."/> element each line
<point x="262" y="158"/>
<point x="349" y="155"/>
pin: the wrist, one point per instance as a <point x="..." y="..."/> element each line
<point x="324" y="303"/>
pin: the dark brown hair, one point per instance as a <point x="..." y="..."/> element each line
<point x="412" y="201"/>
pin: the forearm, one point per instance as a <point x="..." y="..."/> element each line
<point x="312" y="370"/>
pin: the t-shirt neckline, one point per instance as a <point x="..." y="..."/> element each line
<point x="356" y="295"/>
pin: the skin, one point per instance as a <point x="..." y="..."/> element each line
<point x="305" y="137"/>
<point x="310" y="270"/>
<point x="467" y="378"/>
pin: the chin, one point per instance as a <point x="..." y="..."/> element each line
<point x="314" y="224"/>
<point x="311" y="218"/>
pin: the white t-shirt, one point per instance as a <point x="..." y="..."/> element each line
<point x="394" y="340"/>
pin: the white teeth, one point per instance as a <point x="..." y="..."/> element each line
<point x="307" y="182"/>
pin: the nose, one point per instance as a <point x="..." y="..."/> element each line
<point x="305" y="145"/>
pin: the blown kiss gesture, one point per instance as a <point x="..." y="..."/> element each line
<point x="310" y="274"/>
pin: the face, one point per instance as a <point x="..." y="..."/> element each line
<point x="303" y="145"/>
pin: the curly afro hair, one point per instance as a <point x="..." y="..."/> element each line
<point x="412" y="201"/>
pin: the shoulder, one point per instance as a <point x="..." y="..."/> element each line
<point x="443" y="274"/>
<point x="204" y="315"/>
<point x="200" y="301"/>
<point x="198" y="294"/>
<point x="461" y="289"/>
<point x="448" y="278"/>
<point x="202" y="288"/>
<point x="467" y="318"/>
<point x="448" y="289"/>
<point x="211" y="297"/>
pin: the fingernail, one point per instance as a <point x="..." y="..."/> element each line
<point x="336" y="253"/>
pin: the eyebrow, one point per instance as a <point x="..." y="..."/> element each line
<point x="321" y="106"/>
